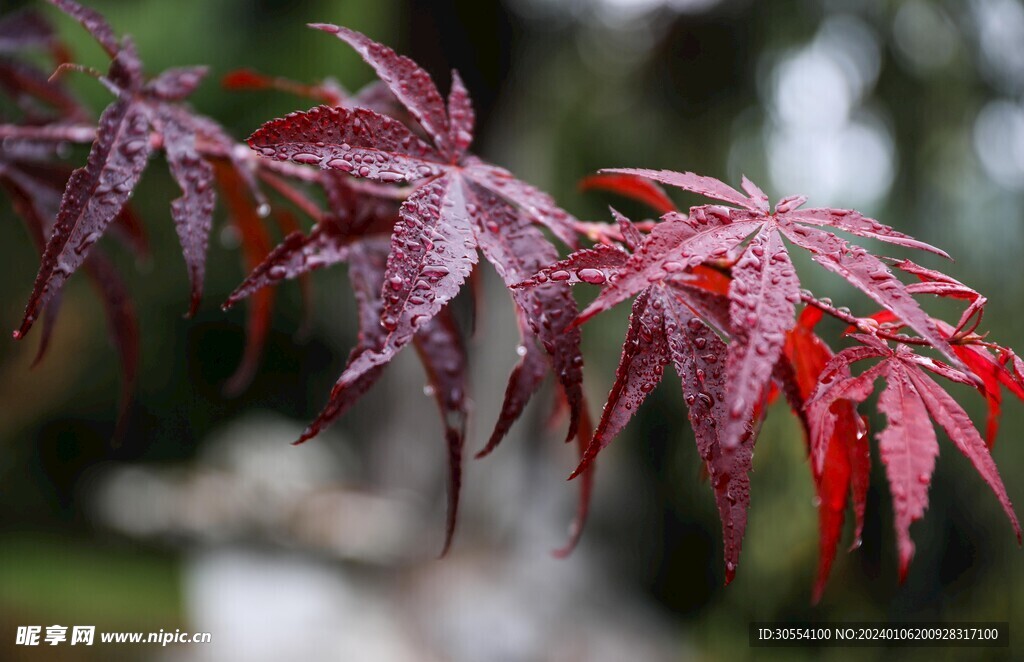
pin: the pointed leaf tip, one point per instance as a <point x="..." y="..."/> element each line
<point x="410" y="84"/>
<point x="585" y="442"/>
<point x="326" y="27"/>
<point x="306" y="435"/>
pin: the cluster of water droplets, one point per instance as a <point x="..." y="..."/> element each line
<point x="432" y="251"/>
<point x="758" y="312"/>
<point x="355" y="141"/>
<point x="94" y="196"/>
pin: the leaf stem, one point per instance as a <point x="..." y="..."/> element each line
<point x="857" y="322"/>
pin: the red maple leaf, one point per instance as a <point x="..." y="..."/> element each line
<point x="844" y="466"/>
<point x="765" y="287"/>
<point x="410" y="210"/>
<point x="664" y="329"/>
<point x="907" y="445"/>
<point x="458" y="205"/>
<point x="33" y="178"/>
<point x="97" y="192"/>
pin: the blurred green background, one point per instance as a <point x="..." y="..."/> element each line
<point x="205" y="519"/>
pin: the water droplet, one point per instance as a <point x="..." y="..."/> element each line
<point x="87" y="242"/>
<point x="592" y="276"/>
<point x="133" y="147"/>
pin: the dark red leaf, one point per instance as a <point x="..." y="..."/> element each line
<point x="706" y="186"/>
<point x="641" y="366"/>
<point x="36" y="201"/>
<point x="411" y="84"/>
<point x="985" y="367"/>
<point x="367" y="264"/>
<point x="757" y="196"/>
<point x="24" y="29"/>
<point x="536" y="204"/>
<point x="28" y="86"/>
<point x="94" y="196"/>
<point x="128" y="228"/>
<point x="193" y="211"/>
<point x="871" y="276"/>
<point x="762" y="298"/>
<point x="908" y="449"/>
<point x="255" y="247"/>
<point x="835" y="384"/>
<point x="933" y="276"/>
<point x="440" y="348"/>
<point x="353" y="211"/>
<point x="246" y="79"/>
<point x="460" y="113"/>
<point x="673" y="246"/>
<point x="296" y="255"/>
<point x="860" y="465"/>
<point x="907" y="446"/>
<point x="630" y="234"/>
<point x="590" y="265"/>
<point x="851" y="221"/>
<point x="176" y="84"/>
<point x="524" y="381"/>
<point x="696" y="352"/>
<point x="517" y="249"/>
<point x="846" y="463"/>
<point x="433" y="251"/>
<point x="357" y="141"/>
<point x="49" y="316"/>
<point x="93" y="22"/>
<point x="957" y="424"/>
<point x="832" y="486"/>
<point x="586" y="487"/>
<point x="631" y="186"/>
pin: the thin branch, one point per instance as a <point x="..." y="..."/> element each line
<point x="859" y="322"/>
